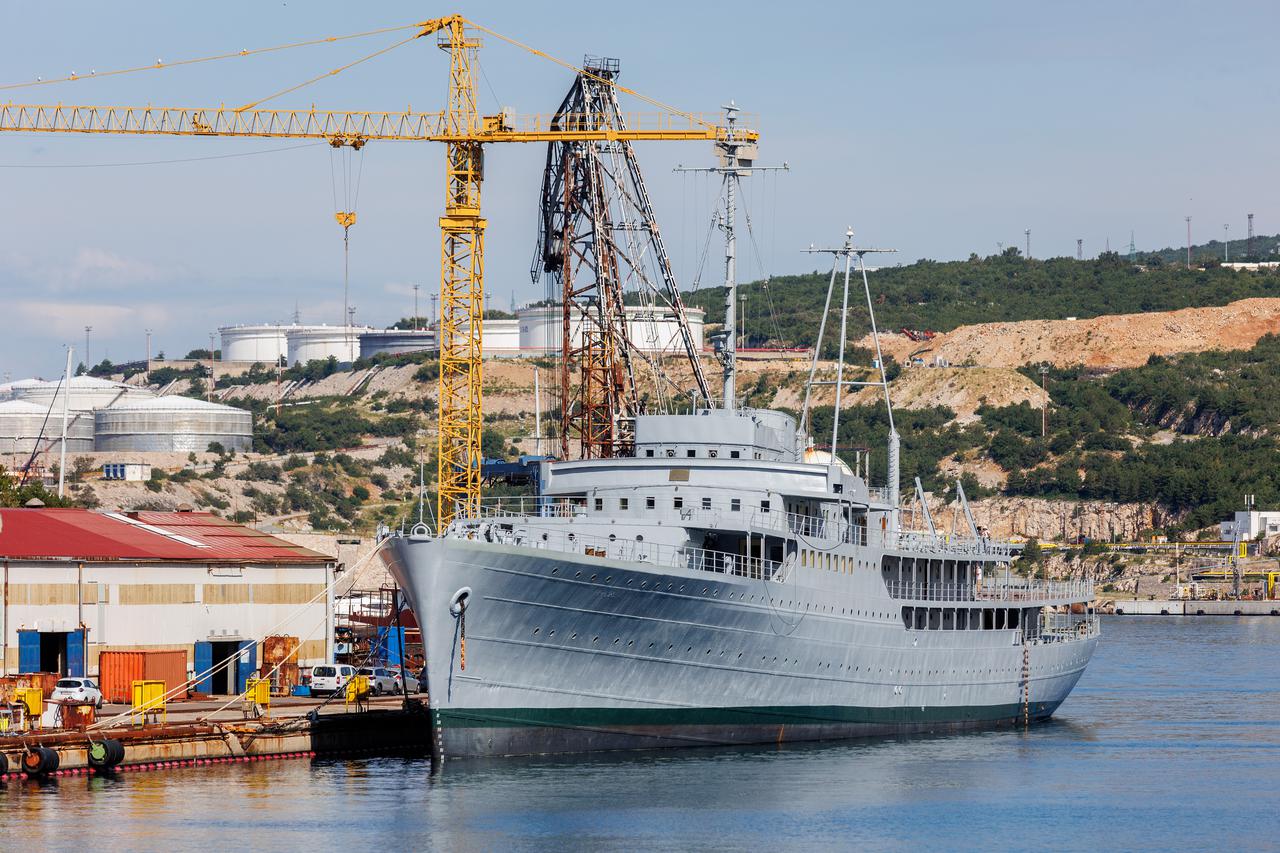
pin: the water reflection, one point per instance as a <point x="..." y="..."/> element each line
<point x="1169" y="741"/>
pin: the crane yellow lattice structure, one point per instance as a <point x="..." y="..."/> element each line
<point x="465" y="132"/>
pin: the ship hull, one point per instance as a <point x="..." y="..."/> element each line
<point x="559" y="653"/>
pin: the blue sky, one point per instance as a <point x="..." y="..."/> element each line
<point x="936" y="128"/>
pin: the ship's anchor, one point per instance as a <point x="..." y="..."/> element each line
<point x="458" y="607"/>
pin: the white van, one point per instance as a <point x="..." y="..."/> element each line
<point x="326" y="680"/>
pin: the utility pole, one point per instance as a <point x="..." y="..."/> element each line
<point x="1028" y="233"/>
<point x="415" y="307"/>
<point x="1226" y="244"/>
<point x="1249" y="245"/>
<point x="209" y="392"/>
<point x="66" y="404"/>
<point x="1079" y="249"/>
<point x="147" y="372"/>
<point x="1044" y="405"/>
<point x="87" y="363"/>
<point x="1188" y="241"/>
<point x="434" y="298"/>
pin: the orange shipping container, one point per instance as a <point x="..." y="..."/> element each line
<point x="118" y="670"/>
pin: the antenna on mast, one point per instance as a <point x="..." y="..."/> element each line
<point x="736" y="158"/>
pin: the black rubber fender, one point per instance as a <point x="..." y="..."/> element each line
<point x="115" y="752"/>
<point x="4" y="764"/>
<point x="40" y="761"/>
<point x="97" y="754"/>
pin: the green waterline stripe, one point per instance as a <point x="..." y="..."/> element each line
<point x="777" y="715"/>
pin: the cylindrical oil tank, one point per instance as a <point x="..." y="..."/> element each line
<point x="318" y="343"/>
<point x="171" y="424"/>
<point x="23" y="426"/>
<point x="500" y="337"/>
<point x="656" y="330"/>
<point x="396" y="341"/>
<point x="87" y="394"/>
<point x="265" y="344"/>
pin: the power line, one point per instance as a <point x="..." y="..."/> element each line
<point x="155" y="162"/>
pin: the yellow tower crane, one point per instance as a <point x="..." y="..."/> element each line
<point x="464" y="132"/>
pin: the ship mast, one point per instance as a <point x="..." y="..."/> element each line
<point x="848" y="251"/>
<point x="736" y="156"/>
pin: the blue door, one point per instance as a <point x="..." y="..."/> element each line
<point x="204" y="663"/>
<point x="28" y="651"/>
<point x="75" y="653"/>
<point x="246" y="664"/>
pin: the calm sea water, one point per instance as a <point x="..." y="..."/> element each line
<point x="1171" y="740"/>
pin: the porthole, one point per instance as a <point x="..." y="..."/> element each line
<point x="574" y="636"/>
<point x="556" y="570"/>
<point x="551" y="633"/>
<point x="537" y="631"/>
<point x="595" y="640"/>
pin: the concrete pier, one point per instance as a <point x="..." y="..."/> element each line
<point x="194" y="736"/>
<point x="1157" y="607"/>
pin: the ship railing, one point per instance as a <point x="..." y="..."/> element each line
<point x="1029" y="592"/>
<point x="1060" y="627"/>
<point x="630" y="550"/>
<point x="530" y="506"/>
<point x="922" y="541"/>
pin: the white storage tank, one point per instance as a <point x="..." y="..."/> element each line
<point x="171" y="424"/>
<point x="396" y="341"/>
<point x="265" y="344"/>
<point x="318" y="343"/>
<point x="21" y="423"/>
<point x="87" y="393"/>
<point x="651" y="330"/>
<point x="500" y="337"/>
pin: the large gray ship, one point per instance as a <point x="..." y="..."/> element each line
<point x="724" y="582"/>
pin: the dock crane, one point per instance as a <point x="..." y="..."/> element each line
<point x="465" y="132"/>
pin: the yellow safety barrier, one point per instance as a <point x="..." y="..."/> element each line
<point x="33" y="699"/>
<point x="357" y="690"/>
<point x="258" y="691"/>
<point x="149" y="700"/>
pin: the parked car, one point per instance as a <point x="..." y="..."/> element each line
<point x="415" y="684"/>
<point x="77" y="690"/>
<point x="328" y="679"/>
<point x="381" y="679"/>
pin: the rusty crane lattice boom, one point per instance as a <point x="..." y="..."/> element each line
<point x="598" y="241"/>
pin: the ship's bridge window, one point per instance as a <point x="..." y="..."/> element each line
<point x="650" y="503"/>
<point x="706" y="503"/>
<point x="735" y="505"/>
<point x="733" y="454"/>
<point x="691" y="453"/>
<point x="599" y="504"/>
<point x="623" y="503"/>
<point x="764" y="506"/>
<point x="677" y="502"/>
<point x="648" y="451"/>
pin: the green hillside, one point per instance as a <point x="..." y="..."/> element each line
<point x="943" y="295"/>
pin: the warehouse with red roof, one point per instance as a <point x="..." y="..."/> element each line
<point x="77" y="582"/>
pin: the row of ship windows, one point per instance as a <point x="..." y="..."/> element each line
<point x="831" y="562"/>
<point x="690" y="453"/>
<point x="715" y="592"/>
<point x="735" y="504"/>
<point x="959" y="618"/>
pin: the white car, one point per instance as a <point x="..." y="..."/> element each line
<point x="414" y="685"/>
<point x="326" y="680"/>
<point x="77" y="690"/>
<point x="381" y="679"/>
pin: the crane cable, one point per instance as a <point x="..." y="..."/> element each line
<point x="351" y="159"/>
<point x="159" y="64"/>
